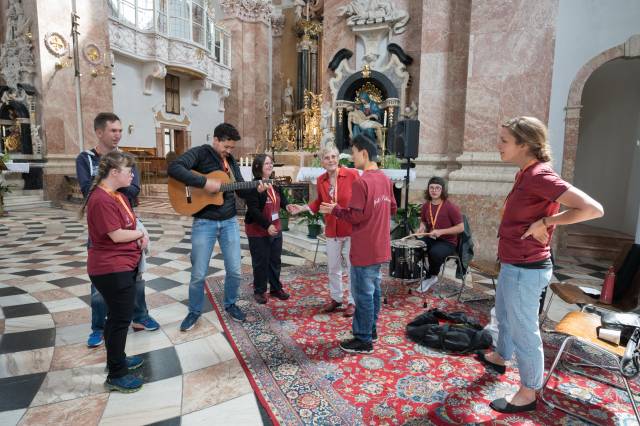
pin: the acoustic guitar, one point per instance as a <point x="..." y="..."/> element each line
<point x="187" y="200"/>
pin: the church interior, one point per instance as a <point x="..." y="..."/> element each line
<point x="428" y="82"/>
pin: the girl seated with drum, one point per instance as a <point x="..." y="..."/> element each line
<point x="440" y="223"/>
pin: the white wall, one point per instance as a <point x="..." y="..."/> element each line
<point x="134" y="107"/>
<point x="608" y="159"/>
<point x="584" y="29"/>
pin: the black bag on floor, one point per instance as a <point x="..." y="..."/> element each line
<point x="460" y="335"/>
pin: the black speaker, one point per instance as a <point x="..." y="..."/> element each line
<point x="405" y="138"/>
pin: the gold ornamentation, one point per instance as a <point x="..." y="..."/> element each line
<point x="56" y="44"/>
<point x="312" y="117"/>
<point x="284" y="136"/>
<point x="374" y="93"/>
<point x="92" y="54"/>
<point x="366" y="71"/>
<point x="309" y="29"/>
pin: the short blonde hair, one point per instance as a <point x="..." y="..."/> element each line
<point x="328" y="148"/>
<point x="531" y="132"/>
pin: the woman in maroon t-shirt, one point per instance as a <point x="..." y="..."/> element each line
<point x="441" y="220"/>
<point x="530" y="213"/>
<point x="112" y="264"/>
<point x="264" y="232"/>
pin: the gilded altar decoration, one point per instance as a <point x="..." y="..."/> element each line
<point x="366" y="71"/>
<point x="312" y="116"/>
<point x="56" y="44"/>
<point x="284" y="136"/>
<point x="12" y="141"/>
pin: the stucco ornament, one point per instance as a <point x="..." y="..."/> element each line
<point x="248" y="10"/>
<point x="16" y="57"/>
<point x="363" y="12"/>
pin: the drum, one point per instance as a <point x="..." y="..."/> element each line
<point x="407" y="259"/>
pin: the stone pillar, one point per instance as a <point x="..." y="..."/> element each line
<point x="248" y="23"/>
<point x="335" y="36"/>
<point x="509" y="73"/>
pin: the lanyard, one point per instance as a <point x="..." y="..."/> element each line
<point x="272" y="194"/>
<point x="225" y="165"/>
<point x="118" y="196"/>
<point x="434" y="219"/>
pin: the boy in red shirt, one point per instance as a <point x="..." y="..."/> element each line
<point x="372" y="204"/>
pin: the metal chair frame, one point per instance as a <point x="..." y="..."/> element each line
<point x="566" y="346"/>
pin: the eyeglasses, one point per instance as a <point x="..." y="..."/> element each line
<point x="435" y="188"/>
<point x="126" y="170"/>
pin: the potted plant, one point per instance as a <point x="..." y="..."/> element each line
<point x="314" y="223"/>
<point x="413" y="217"/>
<point x="284" y="219"/>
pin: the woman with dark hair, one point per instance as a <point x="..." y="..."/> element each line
<point x="262" y="226"/>
<point x="440" y="222"/>
<point x="112" y="264"/>
<point x="530" y="214"/>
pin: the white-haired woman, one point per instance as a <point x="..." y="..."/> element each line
<point x="334" y="186"/>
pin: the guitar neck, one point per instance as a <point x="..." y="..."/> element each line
<point x="243" y="185"/>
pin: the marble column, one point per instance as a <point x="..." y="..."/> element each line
<point x="335" y="36"/>
<point x="510" y="53"/>
<point x="248" y="23"/>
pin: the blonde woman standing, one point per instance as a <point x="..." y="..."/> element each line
<point x="530" y="214"/>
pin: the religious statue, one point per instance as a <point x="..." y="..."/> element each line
<point x="287" y="99"/>
<point x="12" y="140"/>
<point x="411" y="111"/>
<point x="369" y="11"/>
<point x="358" y="122"/>
<point x="299" y="7"/>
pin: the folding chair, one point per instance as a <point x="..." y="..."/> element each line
<point x="580" y="328"/>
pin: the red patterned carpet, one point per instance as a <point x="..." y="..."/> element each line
<point x="290" y="353"/>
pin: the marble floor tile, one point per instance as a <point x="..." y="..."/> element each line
<point x="146" y="341"/>
<point x="214" y="385"/>
<point x="158" y="365"/>
<point x="162" y="271"/>
<point x="65" y="304"/>
<point x="38" y="286"/>
<point x="80" y="289"/>
<point x="204" y="352"/>
<point x="33" y="322"/>
<point x="27" y="340"/>
<point x="181" y="277"/>
<point x="203" y="328"/>
<point x="156" y="300"/>
<point x="72" y="317"/>
<point x="1" y="325"/>
<point x="82" y="411"/>
<point x="78" y="355"/>
<point x="11" y="418"/>
<point x="72" y="334"/>
<point x="212" y="317"/>
<point x="18" y="392"/>
<point x="64" y="385"/>
<point x="178" y="293"/>
<point x="17" y="299"/>
<point x="154" y="402"/>
<point x="25" y="362"/>
<point x="50" y="295"/>
<point x="169" y="313"/>
<point x="241" y="411"/>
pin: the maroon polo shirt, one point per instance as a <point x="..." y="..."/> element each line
<point x="533" y="197"/>
<point x="106" y="214"/>
<point x="447" y="216"/>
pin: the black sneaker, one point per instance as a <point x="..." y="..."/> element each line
<point x="356" y="346"/>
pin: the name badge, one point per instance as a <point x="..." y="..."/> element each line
<point x="274" y="217"/>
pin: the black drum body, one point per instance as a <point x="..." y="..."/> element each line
<point x="407" y="259"/>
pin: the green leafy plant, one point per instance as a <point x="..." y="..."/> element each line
<point x="390" y="161"/>
<point x="345" y="160"/>
<point x="316" y="162"/>
<point x="413" y="216"/>
<point x="311" y="218"/>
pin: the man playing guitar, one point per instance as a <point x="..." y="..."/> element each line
<point x="213" y="221"/>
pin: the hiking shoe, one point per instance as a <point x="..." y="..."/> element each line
<point x="280" y="294"/>
<point x="260" y="298"/>
<point x="148" y="324"/>
<point x="351" y="309"/>
<point x="96" y="338"/>
<point x="331" y="306"/>
<point x="357" y="346"/>
<point x="426" y="284"/>
<point x="189" y="321"/>
<point x="134" y="362"/>
<point x="235" y="313"/>
<point x="124" y="384"/>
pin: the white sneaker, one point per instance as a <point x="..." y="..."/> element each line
<point x="426" y="284"/>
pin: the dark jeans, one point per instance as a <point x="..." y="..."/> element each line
<point x="266" y="263"/>
<point x="99" y="308"/>
<point x="437" y="252"/>
<point x="118" y="290"/>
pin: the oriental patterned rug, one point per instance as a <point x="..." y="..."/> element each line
<point x="289" y="350"/>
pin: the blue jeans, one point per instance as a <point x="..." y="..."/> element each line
<point x="517" y="304"/>
<point x="204" y="233"/>
<point x="365" y="288"/>
<point x="99" y="307"/>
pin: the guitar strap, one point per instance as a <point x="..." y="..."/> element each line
<point x="228" y="170"/>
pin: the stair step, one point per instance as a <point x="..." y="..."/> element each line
<point x="591" y="253"/>
<point x="28" y="205"/>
